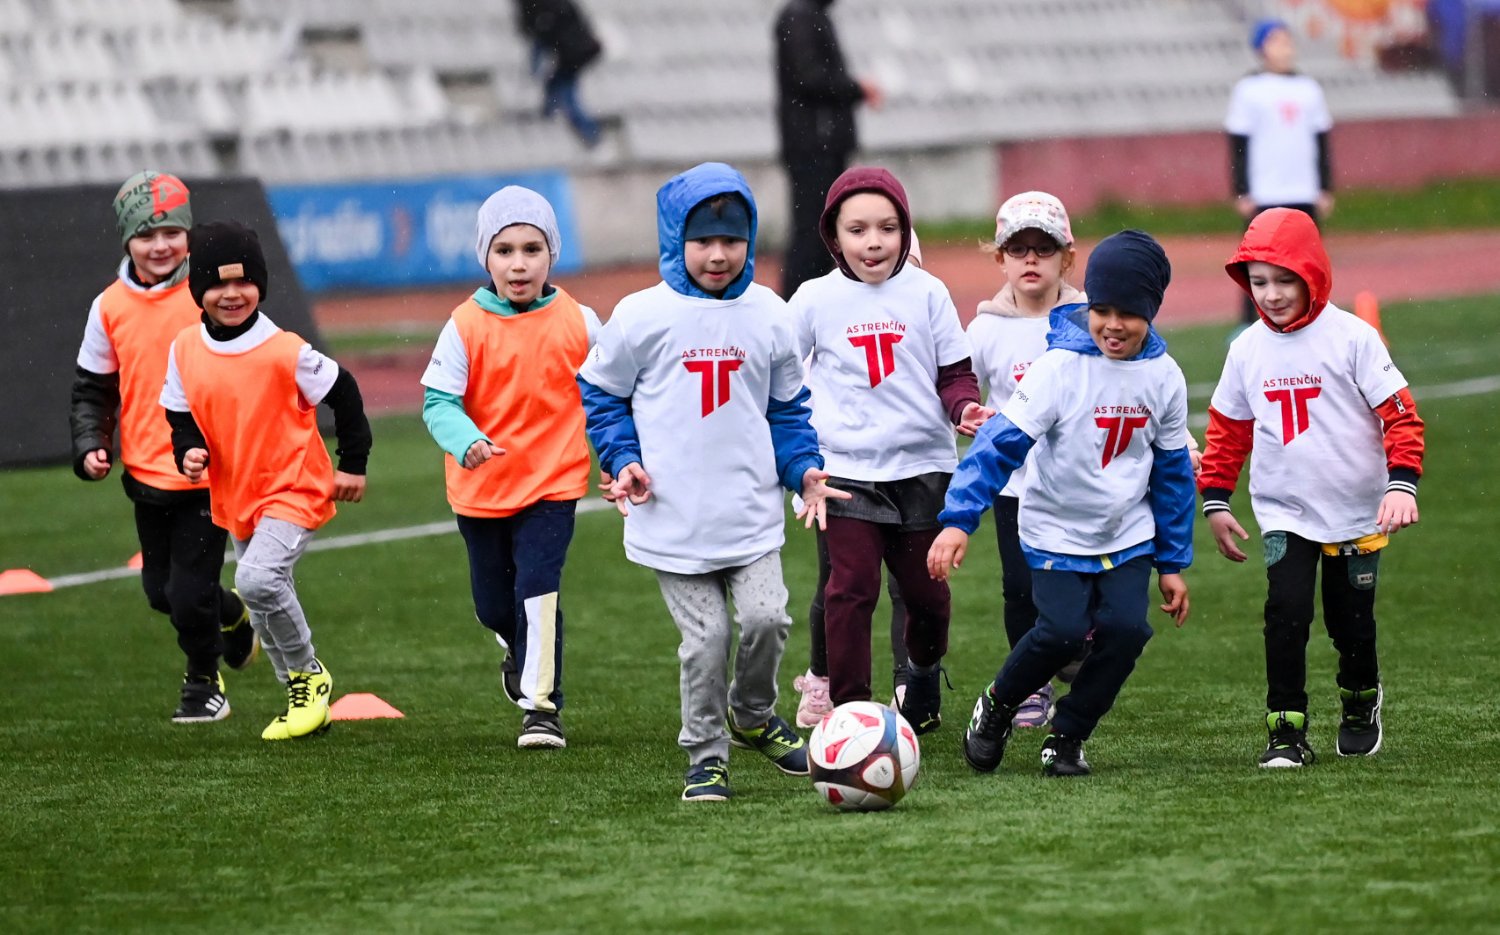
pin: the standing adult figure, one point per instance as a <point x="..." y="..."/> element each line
<point x="816" y="97"/>
<point x="563" y="44"/>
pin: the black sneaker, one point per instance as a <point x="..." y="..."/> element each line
<point x="922" y="701"/>
<point x="540" y="729"/>
<point x="1063" y="756"/>
<point x="1360" y="731"/>
<point x="202" y="700"/>
<point x="707" y="782"/>
<point x="989" y="729"/>
<point x="1287" y="745"/>
<point x="241" y="644"/>
<point x="510" y="677"/>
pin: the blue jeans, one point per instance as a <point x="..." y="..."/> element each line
<point x="561" y="92"/>
<point x="515" y="571"/>
<point x="1113" y="605"/>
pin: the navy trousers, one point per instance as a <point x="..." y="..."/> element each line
<point x="515" y="571"/>
<point x="1113" y="605"/>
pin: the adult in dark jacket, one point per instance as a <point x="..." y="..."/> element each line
<point x="558" y="30"/>
<point x="816" y="98"/>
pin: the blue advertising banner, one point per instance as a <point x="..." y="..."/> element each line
<point x="409" y="232"/>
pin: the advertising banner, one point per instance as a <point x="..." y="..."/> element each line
<point x="399" y="233"/>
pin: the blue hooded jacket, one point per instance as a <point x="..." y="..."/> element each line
<point x="675" y="200"/>
<point x="611" y="428"/>
<point x="1000" y="447"/>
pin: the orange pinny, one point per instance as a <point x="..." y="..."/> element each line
<point x="141" y="325"/>
<point x="266" y="455"/>
<point x="523" y="395"/>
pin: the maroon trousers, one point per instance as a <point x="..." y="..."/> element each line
<point x="856" y="549"/>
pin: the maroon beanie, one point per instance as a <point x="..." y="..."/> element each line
<point x="864" y="179"/>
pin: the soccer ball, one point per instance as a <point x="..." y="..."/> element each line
<point x="863" y="756"/>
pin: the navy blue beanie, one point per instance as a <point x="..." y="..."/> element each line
<point x="1128" y="270"/>
<point x="729" y="218"/>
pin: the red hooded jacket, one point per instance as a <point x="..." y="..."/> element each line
<point x="1289" y="238"/>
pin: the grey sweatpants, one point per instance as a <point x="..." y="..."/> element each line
<point x="264" y="580"/>
<point x="699" y="604"/>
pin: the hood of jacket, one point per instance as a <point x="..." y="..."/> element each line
<point x="679" y="196"/>
<point x="852" y="182"/>
<point x="1286" y="237"/>
<point x="1004" y="302"/>
<point x="1070" y="332"/>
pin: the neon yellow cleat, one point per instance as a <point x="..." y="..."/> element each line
<point x="308" y="695"/>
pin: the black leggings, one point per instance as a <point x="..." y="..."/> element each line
<point x="182" y="554"/>
<point x="1348" y="614"/>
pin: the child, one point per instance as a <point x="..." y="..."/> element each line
<point x="121" y="364"/>
<point x="890" y="378"/>
<point x="1111" y="495"/>
<point x="695" y="403"/>
<point x="1338" y="452"/>
<point x="814" y="701"/>
<point x="1034" y="247"/>
<point x="502" y="400"/>
<point x="242" y="395"/>
<point x="1278" y="125"/>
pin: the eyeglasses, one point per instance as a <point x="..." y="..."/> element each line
<point x="1018" y="251"/>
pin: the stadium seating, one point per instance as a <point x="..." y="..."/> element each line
<point x="418" y="87"/>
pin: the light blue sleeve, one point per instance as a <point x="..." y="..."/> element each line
<point x="448" y="423"/>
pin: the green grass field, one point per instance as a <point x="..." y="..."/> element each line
<point x="117" y="820"/>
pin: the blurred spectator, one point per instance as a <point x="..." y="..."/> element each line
<point x="816" y="98"/>
<point x="562" y="43"/>
<point x="1466" y="34"/>
<point x="1278" y="124"/>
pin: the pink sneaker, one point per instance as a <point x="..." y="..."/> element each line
<point x="815" y="701"/>
<point x="1035" y="711"/>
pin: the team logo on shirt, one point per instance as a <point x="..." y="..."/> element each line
<point x="1119" y="424"/>
<point x="1018" y="369"/>
<point x="1293" y="394"/>
<point x="878" y="339"/>
<point x="713" y="366"/>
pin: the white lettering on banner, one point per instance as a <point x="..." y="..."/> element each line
<point x="450" y="230"/>
<point x="348" y="233"/>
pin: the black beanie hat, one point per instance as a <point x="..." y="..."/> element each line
<point x="724" y="215"/>
<point x="1128" y="270"/>
<point x="220" y="250"/>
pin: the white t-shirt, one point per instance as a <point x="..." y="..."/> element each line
<point x="1004" y="348"/>
<point x="1282" y="115"/>
<point x="315" y="372"/>
<point x="699" y="374"/>
<point x="452" y="375"/>
<point x="873" y="372"/>
<point x="1318" y="468"/>
<point x="1095" y="421"/>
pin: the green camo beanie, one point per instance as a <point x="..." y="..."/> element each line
<point x="149" y="200"/>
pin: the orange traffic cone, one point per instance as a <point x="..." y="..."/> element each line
<point x="1367" y="310"/>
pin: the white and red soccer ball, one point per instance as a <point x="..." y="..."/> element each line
<point x="863" y="756"/>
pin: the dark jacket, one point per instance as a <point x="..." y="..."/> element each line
<point x="559" y="27"/>
<point x="816" y="96"/>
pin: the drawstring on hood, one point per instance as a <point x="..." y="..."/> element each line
<point x="1288" y="238"/>
<point x="852" y="182"/>
<point x="675" y="201"/>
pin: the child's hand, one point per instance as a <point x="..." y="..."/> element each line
<point x="607" y="484"/>
<point x="1174" y="591"/>
<point x="974" y="415"/>
<point x="480" y="452"/>
<point x="194" y="462"/>
<point x="1197" y="457"/>
<point x="1398" y="510"/>
<point x="815" y="496"/>
<point x="96" y="463"/>
<point x="633" y="484"/>
<point x="947" y="552"/>
<point x="1225" y="527"/>
<point x="348" y="488"/>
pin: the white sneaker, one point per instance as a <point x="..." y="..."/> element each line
<point x="814" y="702"/>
